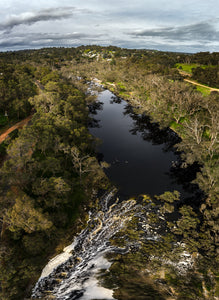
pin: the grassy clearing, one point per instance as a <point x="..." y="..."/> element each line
<point x="205" y="91"/>
<point x="187" y="67"/>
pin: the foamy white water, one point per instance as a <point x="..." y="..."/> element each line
<point x="57" y="261"/>
<point x="72" y="274"/>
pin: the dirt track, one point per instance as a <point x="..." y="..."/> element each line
<point x="195" y="83"/>
<point x="18" y="125"/>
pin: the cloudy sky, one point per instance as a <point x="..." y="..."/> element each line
<point x="180" y="25"/>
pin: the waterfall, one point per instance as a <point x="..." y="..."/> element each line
<point x="72" y="274"/>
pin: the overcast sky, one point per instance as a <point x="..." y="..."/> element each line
<point x="180" y="25"/>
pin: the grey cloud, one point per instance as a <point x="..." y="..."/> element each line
<point x="58" y="37"/>
<point x="32" y="40"/>
<point x="30" y="18"/>
<point x="204" y="31"/>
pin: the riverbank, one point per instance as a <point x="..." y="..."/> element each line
<point x="135" y="103"/>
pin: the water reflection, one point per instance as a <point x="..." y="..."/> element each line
<point x="150" y="131"/>
<point x="115" y="99"/>
<point x="93" y="110"/>
<point x="142" y="156"/>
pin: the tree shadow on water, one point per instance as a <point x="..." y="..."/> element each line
<point x="151" y="131"/>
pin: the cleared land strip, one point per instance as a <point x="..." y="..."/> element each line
<point x="18" y="125"/>
<point x="207" y="87"/>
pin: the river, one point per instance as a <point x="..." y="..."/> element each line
<point x="141" y="159"/>
<point x="139" y="153"/>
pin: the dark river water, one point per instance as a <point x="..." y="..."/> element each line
<point x="139" y="153"/>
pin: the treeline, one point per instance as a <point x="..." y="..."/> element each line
<point x="207" y="75"/>
<point x="205" y="58"/>
<point x="47" y="177"/>
<point x="207" y="70"/>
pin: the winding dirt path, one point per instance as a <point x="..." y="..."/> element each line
<point x="199" y="84"/>
<point x="18" y="125"/>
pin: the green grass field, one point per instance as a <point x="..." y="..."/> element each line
<point x="205" y="91"/>
<point x="187" y="67"/>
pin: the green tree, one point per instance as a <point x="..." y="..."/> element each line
<point x="24" y="216"/>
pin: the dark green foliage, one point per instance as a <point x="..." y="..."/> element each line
<point x="3" y="147"/>
<point x="3" y="120"/>
<point x="208" y="76"/>
<point x="16" y="86"/>
<point x="169" y="197"/>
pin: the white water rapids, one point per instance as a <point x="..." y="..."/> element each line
<point x="72" y="274"/>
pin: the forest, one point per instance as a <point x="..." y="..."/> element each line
<point x="50" y="174"/>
